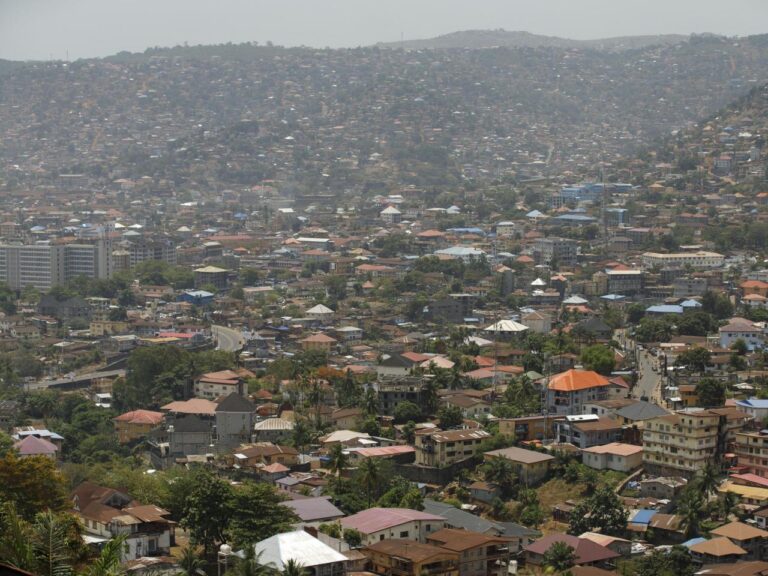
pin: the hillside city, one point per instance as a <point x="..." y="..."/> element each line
<point x="386" y="311"/>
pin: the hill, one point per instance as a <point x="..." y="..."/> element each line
<point x="475" y="39"/>
<point x="357" y="120"/>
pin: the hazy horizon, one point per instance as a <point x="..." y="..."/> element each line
<point x="52" y="29"/>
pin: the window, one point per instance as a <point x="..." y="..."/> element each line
<point x="404" y="534"/>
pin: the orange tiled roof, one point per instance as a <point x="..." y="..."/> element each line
<point x="573" y="380"/>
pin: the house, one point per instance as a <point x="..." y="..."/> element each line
<point x="235" y="417"/>
<point x="216" y="384"/>
<point x="472" y="408"/>
<point x="211" y="276"/>
<point x="479" y="554"/>
<point x="321" y="313"/>
<point x="136" y="424"/>
<point x="752" y="333"/>
<point x="34" y="446"/>
<point x="752" y="539"/>
<point x="614" y="456"/>
<point x="568" y="391"/>
<point x="484" y="491"/>
<point x="315" y="557"/>
<point x="320" y="342"/>
<point x="519" y="536"/>
<point x="755" y="407"/>
<point x="314" y="510"/>
<point x="438" y="448"/>
<point x="528" y="428"/>
<point x="587" y="430"/>
<point x="662" y="488"/>
<point x="618" y="545"/>
<point x="377" y="524"/>
<point x="273" y="429"/>
<point x="587" y="553"/>
<point x="530" y="467"/>
<point x="716" y="551"/>
<point x="346" y="418"/>
<point x="407" y="558"/>
<point x="265" y="454"/>
<point x="106" y="513"/>
<point x="539" y="322"/>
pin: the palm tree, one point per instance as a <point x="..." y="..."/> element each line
<point x="251" y="565"/>
<point x="707" y="480"/>
<point x="370" y="475"/>
<point x="338" y="459"/>
<point x="689" y="508"/>
<point x="501" y="472"/>
<point x="108" y="563"/>
<point x="293" y="568"/>
<point x="728" y="503"/>
<point x="190" y="561"/>
<point x="560" y="556"/>
<point x="371" y="402"/>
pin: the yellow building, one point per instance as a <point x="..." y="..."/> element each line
<point x="683" y="443"/>
<point x="408" y="558"/>
<point x="440" y="449"/>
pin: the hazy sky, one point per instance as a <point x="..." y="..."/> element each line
<point x="41" y="29"/>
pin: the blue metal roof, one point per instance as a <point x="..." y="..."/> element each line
<point x="753" y="403"/>
<point x="643" y="517"/>
<point x="665" y="309"/>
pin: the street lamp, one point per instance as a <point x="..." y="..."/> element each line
<point x="225" y="551"/>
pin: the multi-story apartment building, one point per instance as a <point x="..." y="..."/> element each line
<point x="699" y="259"/>
<point x="440" y="449"/>
<point x="752" y="452"/>
<point x="683" y="443"/>
<point x="45" y="265"/>
<point x="561" y="250"/>
<point x="568" y="391"/>
<point x="393" y="390"/>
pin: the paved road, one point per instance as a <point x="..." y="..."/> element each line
<point x="227" y="339"/>
<point x="649" y="382"/>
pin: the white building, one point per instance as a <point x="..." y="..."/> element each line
<point x="699" y="259"/>
<point x="315" y="557"/>
<point x="614" y="456"/>
<point x="376" y="524"/>
<point x="752" y="333"/>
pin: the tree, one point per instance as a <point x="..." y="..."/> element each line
<point x="674" y="562"/>
<point x="371" y="402"/>
<point x="190" y="561"/>
<point x="251" y="565"/>
<point x="370" y="472"/>
<point x="256" y="513"/>
<point x="293" y="568"/>
<point x="450" y="417"/>
<point x="50" y="545"/>
<point x="603" y="510"/>
<point x="690" y="507"/>
<point x="33" y="484"/>
<point x="599" y="358"/>
<point x="560" y="556"/>
<point x="405" y="411"/>
<point x="501" y="472"/>
<point x="208" y="511"/>
<point x="352" y="537"/>
<point x="707" y="479"/>
<point x="695" y="359"/>
<point x="711" y="392"/>
<point x="338" y="460"/>
<point x="109" y="560"/>
<point x="740" y="347"/>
